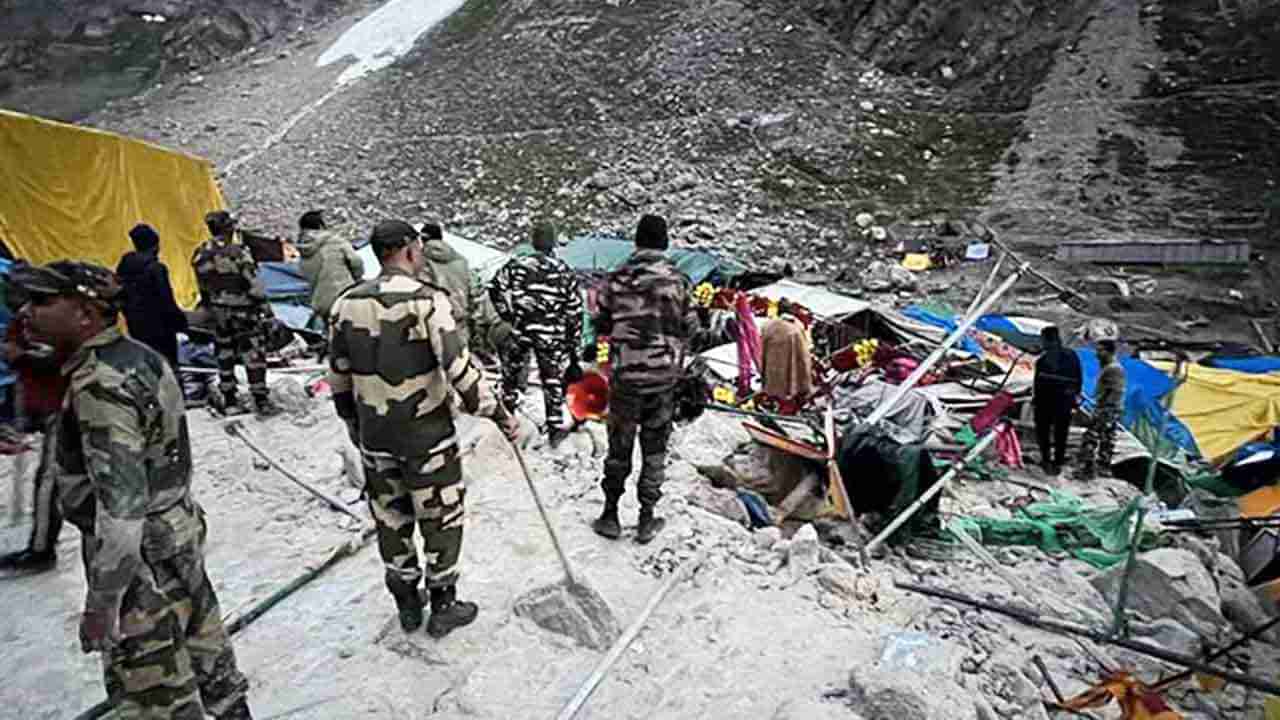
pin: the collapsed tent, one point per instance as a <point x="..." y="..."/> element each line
<point x="1226" y="409"/>
<point x="1255" y="364"/>
<point x="73" y="192"/>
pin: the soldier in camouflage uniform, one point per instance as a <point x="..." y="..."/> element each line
<point x="539" y="296"/>
<point x="229" y="287"/>
<point x="1099" y="442"/>
<point x="124" y="479"/>
<point x="395" y="354"/>
<point x="647" y="311"/>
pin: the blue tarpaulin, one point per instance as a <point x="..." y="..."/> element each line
<point x="1145" y="388"/>
<point x="1254" y="365"/>
<point x="1020" y="332"/>
<point x="968" y="344"/>
<point x="289" y="294"/>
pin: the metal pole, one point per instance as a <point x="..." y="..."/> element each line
<point x="234" y="428"/>
<point x="574" y="705"/>
<point x="986" y="285"/>
<point x="885" y="407"/>
<point x="928" y="495"/>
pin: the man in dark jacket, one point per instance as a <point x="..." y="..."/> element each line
<point x="153" y="315"/>
<point x="1057" y="385"/>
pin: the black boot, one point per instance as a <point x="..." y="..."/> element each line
<point x="555" y="436"/>
<point x="28" y="562"/>
<point x="607" y="524"/>
<point x="265" y="408"/>
<point x="649" y="526"/>
<point x="239" y="711"/>
<point x="409" y="603"/>
<point x="448" y="613"/>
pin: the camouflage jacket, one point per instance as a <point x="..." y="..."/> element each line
<point x="395" y="351"/>
<point x="539" y="295"/>
<point x="124" y="462"/>
<point x="227" y="275"/>
<point x="448" y="270"/>
<point x="646" y="309"/>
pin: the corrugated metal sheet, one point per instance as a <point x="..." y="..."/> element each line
<point x="1156" y="252"/>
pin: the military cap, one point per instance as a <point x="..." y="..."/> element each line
<point x="391" y="235"/>
<point x="72" y="278"/>
<point x="219" y="221"/>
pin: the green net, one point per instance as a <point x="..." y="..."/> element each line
<point x="1064" y="524"/>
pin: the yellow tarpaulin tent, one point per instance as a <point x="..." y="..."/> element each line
<point x="68" y="192"/>
<point x="1224" y="409"/>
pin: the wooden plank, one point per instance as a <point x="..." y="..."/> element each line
<point x="785" y="444"/>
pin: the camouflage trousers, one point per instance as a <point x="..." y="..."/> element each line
<point x="1099" y="442"/>
<point x="404" y="494"/>
<point x="180" y="665"/>
<point x="47" y="524"/>
<point x="650" y="416"/>
<point x="553" y="360"/>
<point x="240" y="337"/>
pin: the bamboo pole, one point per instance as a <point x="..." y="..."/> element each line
<point x="928" y="495"/>
<point x="580" y="698"/>
<point x="965" y="325"/>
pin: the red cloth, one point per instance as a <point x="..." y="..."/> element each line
<point x="748" y="344"/>
<point x="41" y="381"/>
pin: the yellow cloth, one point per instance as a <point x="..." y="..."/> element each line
<point x="1224" y="409"/>
<point x="917" y="262"/>
<point x="68" y="192"/>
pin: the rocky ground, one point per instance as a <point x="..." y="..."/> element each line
<point x="763" y="626"/>
<point x="764" y="129"/>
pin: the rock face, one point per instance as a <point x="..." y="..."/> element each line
<point x="64" y="58"/>
<point x="1168" y="583"/>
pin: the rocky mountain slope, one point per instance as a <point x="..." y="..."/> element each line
<point x="64" y="58"/>
<point x="761" y="127"/>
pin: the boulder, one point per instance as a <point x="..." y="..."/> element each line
<point x="804" y="552"/>
<point x="1168" y="583"/>
<point x="915" y="677"/>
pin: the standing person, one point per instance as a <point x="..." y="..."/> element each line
<point x="395" y="352"/>
<point x="1100" y="437"/>
<point x="41" y="387"/>
<point x="539" y="296"/>
<point x="124" y="479"/>
<point x="329" y="262"/>
<point x="646" y="310"/>
<point x="153" y="315"/>
<point x="1057" y="385"/>
<point x="473" y="311"/>
<point x="229" y="286"/>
